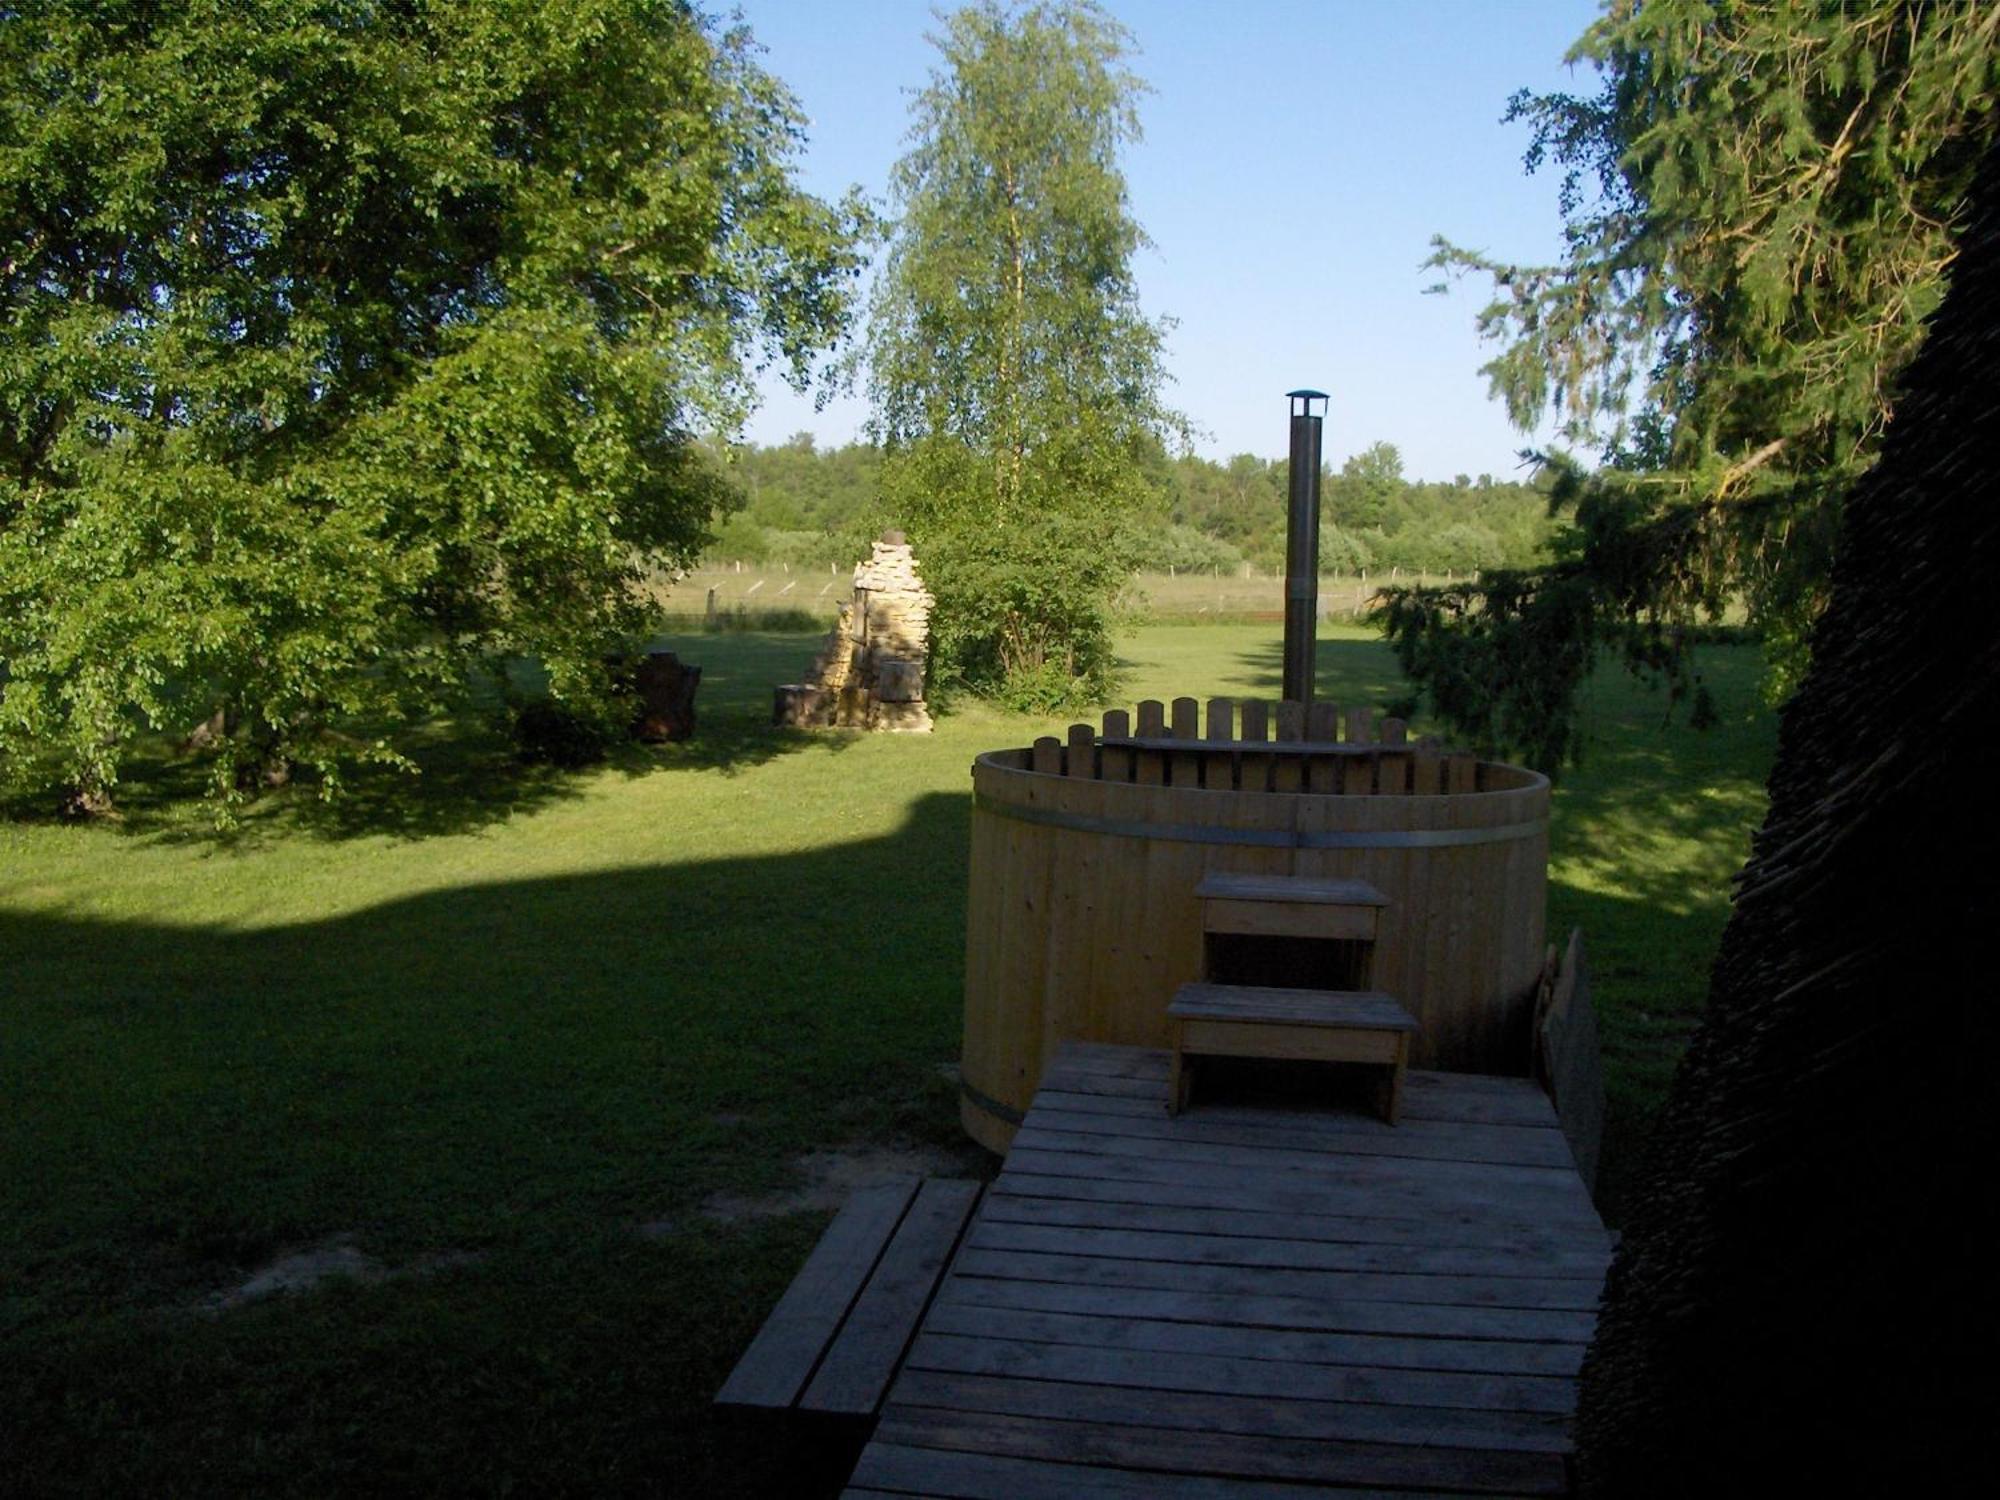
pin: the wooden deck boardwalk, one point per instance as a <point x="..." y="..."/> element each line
<point x="1246" y="1302"/>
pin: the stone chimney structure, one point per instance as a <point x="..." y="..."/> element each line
<point x="870" y="672"/>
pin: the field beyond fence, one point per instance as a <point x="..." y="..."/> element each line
<point x="754" y="593"/>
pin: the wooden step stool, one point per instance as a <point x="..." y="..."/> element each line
<point x="1304" y="920"/>
<point x="1234" y="1020"/>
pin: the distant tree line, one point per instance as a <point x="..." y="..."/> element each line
<point x="807" y="506"/>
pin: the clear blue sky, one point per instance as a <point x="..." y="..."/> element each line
<point x="1297" y="159"/>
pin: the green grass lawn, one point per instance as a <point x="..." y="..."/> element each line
<point x="490" y="1023"/>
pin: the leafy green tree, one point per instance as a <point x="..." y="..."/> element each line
<point x="1015" y="382"/>
<point x="1760" y="207"/>
<point x="1361" y="495"/>
<point x="346" y="346"/>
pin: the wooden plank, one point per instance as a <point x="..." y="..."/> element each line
<point x="1426" y="770"/>
<point x="1185" y="765"/>
<point x="1152" y="721"/>
<point x="1387" y="1464"/>
<point x="1280" y="1041"/>
<point x="787" y="1349"/>
<point x="1358" y="1212"/>
<point x="1524" y="1293"/>
<point x="1090" y="1385"/>
<point x="857" y="1369"/>
<point x="1112" y="1178"/>
<point x="1357" y="771"/>
<point x="961" y="1475"/>
<point x="1221" y="720"/>
<point x="1461" y="774"/>
<point x="1080" y="757"/>
<point x="1289" y="1254"/>
<point x="1323" y="723"/>
<point x="1526" y="1106"/>
<point x="1087" y="1060"/>
<point x="1523" y="1104"/>
<point x="1288" y="771"/>
<point x="1114" y="762"/>
<point x="1322" y="1314"/>
<point x="1281" y="919"/>
<point x="1234" y="887"/>
<point x="1218" y="770"/>
<point x="1045" y="759"/>
<point x="1392" y="773"/>
<point x="1295" y="1130"/>
<point x="1082" y="1201"/>
<point x="1367" y="1009"/>
<point x="1292" y="1347"/>
<point x="1256" y="714"/>
<point x="1468" y="1186"/>
<point x="1571" y="1062"/>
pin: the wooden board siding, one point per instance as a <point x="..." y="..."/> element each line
<point x="1255" y="1304"/>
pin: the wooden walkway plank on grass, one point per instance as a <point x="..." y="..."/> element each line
<point x="1276" y="1381"/>
<point x="858" y="1368"/>
<point x="781" y="1357"/>
<point x="1297" y="1130"/>
<point x="1232" y="1341"/>
<point x="1355" y="1229"/>
<point x="1201" y="1451"/>
<point x="1255" y="1304"/>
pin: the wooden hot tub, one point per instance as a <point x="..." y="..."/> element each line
<point x="1082" y="918"/>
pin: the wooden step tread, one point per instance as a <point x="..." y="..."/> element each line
<point x="1367" y="1010"/>
<point x="1289" y="888"/>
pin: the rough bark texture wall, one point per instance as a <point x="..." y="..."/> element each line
<point x="1795" y="1307"/>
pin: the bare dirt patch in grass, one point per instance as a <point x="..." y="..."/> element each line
<point x="302" y="1268"/>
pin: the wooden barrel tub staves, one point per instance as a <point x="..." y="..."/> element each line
<point x="1082" y="917"/>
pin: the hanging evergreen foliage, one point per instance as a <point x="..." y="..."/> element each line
<point x="1760" y="207"/>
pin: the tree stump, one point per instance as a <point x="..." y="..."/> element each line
<point x="665" y="690"/>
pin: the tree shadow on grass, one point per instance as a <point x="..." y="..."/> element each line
<point x="521" y="1073"/>
<point x="468" y="774"/>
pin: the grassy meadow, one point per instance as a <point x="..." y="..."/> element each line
<point x="508" y="1031"/>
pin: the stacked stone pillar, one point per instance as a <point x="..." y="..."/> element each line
<point x="870" y="672"/>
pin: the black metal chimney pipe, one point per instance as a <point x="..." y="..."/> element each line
<point x="1302" y="547"/>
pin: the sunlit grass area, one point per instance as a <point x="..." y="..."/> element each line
<point x="505" y="1032"/>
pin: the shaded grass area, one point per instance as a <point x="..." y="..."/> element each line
<point x="496" y="1020"/>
